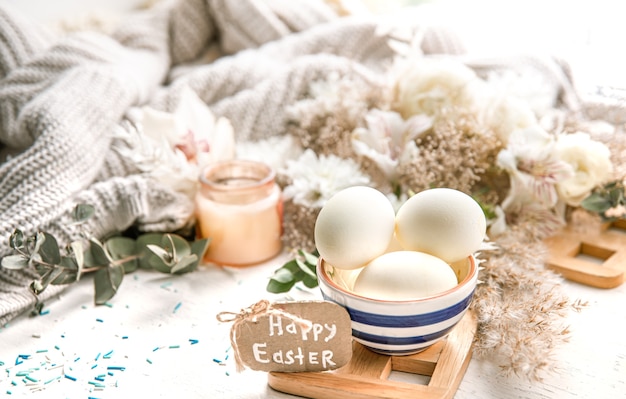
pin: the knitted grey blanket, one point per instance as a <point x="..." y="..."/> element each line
<point x="64" y="101"/>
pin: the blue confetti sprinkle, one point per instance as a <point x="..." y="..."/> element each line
<point x="178" y="305"/>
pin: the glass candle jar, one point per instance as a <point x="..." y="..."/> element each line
<point x="239" y="208"/>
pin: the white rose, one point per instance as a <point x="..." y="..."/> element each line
<point x="425" y="85"/>
<point x="506" y="115"/>
<point x="590" y="161"/>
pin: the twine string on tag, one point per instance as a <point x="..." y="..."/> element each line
<point x="251" y="313"/>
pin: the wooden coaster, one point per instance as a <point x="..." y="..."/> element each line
<point x="366" y="375"/>
<point x="596" y="257"/>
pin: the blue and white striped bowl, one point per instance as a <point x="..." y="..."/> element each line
<point x="400" y="327"/>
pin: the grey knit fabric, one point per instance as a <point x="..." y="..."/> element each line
<point x="64" y="103"/>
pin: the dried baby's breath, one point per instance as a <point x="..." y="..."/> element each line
<point x="521" y="306"/>
<point x="456" y="153"/>
<point x="324" y="122"/>
<point x="299" y="227"/>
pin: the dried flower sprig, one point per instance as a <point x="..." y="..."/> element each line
<point x="521" y="306"/>
<point x="109" y="260"/>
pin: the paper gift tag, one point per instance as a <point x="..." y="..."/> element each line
<point x="294" y="336"/>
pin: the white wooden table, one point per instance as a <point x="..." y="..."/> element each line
<point x="159" y="338"/>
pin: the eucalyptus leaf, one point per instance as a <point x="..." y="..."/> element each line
<point x="180" y="247"/>
<point x="161" y="253"/>
<point x="299" y="269"/>
<point x="283" y="275"/>
<point x="79" y="255"/>
<point x="309" y="258"/>
<point x="39" y="240"/>
<point x="36" y="287"/>
<point x="107" y="281"/>
<point x="146" y="256"/>
<point x="199" y="247"/>
<point x="306" y="268"/>
<point x="123" y="248"/>
<point x="276" y="287"/>
<point x="616" y="196"/>
<point x="14" y="262"/>
<point x="185" y="265"/>
<point x="49" y="250"/>
<point x="160" y="265"/>
<point x="16" y="240"/>
<point x="596" y="203"/>
<point x="83" y="212"/>
<point x="52" y="275"/>
<point x="310" y="282"/>
<point x="99" y="253"/>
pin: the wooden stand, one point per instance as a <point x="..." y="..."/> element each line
<point x="366" y="375"/>
<point x="606" y="246"/>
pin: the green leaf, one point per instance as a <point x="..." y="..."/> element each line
<point x="49" y="250"/>
<point x="70" y="272"/>
<point x="305" y="268"/>
<point x="616" y="196"/>
<point x="77" y="251"/>
<point x="596" y="203"/>
<point x="199" y="247"/>
<point x="311" y="259"/>
<point x="39" y="239"/>
<point x="16" y="240"/>
<point x="83" y="212"/>
<point x="107" y="281"/>
<point x="99" y="253"/>
<point x="283" y="275"/>
<point x="161" y="253"/>
<point x="36" y="287"/>
<point x="310" y="282"/>
<point x="180" y="247"/>
<point x="52" y="275"/>
<point x="123" y="248"/>
<point x="185" y="264"/>
<point x="147" y="256"/>
<point x="276" y="287"/>
<point x="302" y="268"/>
<point x="159" y="265"/>
<point x="14" y="262"/>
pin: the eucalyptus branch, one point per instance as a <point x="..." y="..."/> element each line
<point x="299" y="269"/>
<point x="109" y="260"/>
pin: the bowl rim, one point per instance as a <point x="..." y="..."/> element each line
<point x="471" y="275"/>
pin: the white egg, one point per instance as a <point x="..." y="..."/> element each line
<point x="443" y="222"/>
<point x="354" y="226"/>
<point x="404" y="275"/>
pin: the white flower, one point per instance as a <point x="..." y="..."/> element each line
<point x="590" y="161"/>
<point x="173" y="147"/>
<point x="426" y="85"/>
<point x="389" y="139"/>
<point x="533" y="169"/>
<point x="528" y="86"/>
<point x="314" y="180"/>
<point x="192" y="129"/>
<point x="506" y="115"/>
<point x="274" y="151"/>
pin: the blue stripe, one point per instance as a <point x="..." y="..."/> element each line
<point x="382" y="320"/>
<point x="420" y="339"/>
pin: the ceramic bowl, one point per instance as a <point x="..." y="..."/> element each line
<point x="404" y="327"/>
